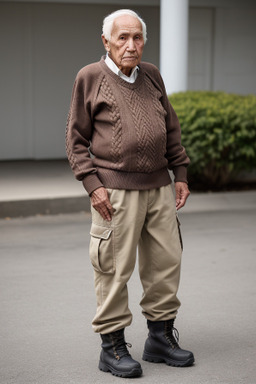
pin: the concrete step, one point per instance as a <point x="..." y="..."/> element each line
<point x="30" y="188"/>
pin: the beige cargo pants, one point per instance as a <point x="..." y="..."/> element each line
<point x="146" y="219"/>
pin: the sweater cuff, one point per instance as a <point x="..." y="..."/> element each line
<point x="91" y="182"/>
<point x="180" y="174"/>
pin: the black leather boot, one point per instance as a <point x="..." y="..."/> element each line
<point x="115" y="357"/>
<point x="162" y="345"/>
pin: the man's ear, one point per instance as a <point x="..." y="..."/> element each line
<point x="105" y="43"/>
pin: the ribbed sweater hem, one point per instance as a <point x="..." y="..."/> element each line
<point x="133" y="180"/>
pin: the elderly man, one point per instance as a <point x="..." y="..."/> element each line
<point x="121" y="115"/>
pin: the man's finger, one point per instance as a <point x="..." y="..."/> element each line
<point x="100" y="202"/>
<point x="182" y="193"/>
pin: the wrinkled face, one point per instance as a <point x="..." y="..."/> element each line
<point x="126" y="45"/>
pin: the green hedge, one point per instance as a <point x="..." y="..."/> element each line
<point x="219" y="134"/>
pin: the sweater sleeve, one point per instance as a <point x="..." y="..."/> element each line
<point x="178" y="160"/>
<point x="78" y="135"/>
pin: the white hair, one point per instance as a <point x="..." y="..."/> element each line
<point x="109" y="20"/>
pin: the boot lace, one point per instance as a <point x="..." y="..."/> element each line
<point x="172" y="334"/>
<point x="120" y="347"/>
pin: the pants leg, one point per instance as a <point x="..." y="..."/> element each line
<point x="160" y="257"/>
<point x="113" y="256"/>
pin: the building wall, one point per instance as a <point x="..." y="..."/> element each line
<point x="221" y="49"/>
<point x="235" y="54"/>
<point x="200" y="52"/>
<point x="43" y="45"/>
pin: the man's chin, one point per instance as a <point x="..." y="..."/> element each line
<point x="129" y="64"/>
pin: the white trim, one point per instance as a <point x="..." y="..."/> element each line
<point x="192" y="3"/>
<point x="102" y="2"/>
<point x="222" y="3"/>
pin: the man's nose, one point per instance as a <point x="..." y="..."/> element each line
<point x="131" y="45"/>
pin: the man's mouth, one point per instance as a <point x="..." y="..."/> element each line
<point x="130" y="57"/>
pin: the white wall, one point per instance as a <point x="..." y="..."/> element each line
<point x="235" y="52"/>
<point x="43" y="47"/>
<point x="222" y="54"/>
<point x="15" y="117"/>
<point x="200" y="55"/>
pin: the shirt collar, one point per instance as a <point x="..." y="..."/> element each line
<point x="114" y="68"/>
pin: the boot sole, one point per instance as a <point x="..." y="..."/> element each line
<point x="136" y="372"/>
<point x="160" y="359"/>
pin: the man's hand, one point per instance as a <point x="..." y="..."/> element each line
<point x="100" y="202"/>
<point x="182" y="193"/>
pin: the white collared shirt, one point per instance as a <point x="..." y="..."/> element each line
<point x="114" y="68"/>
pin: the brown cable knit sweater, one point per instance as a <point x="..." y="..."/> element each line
<point x="131" y="130"/>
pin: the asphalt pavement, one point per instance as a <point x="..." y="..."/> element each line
<point x="47" y="299"/>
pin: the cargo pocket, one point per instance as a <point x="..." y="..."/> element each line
<point x="102" y="249"/>
<point x="179" y="231"/>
